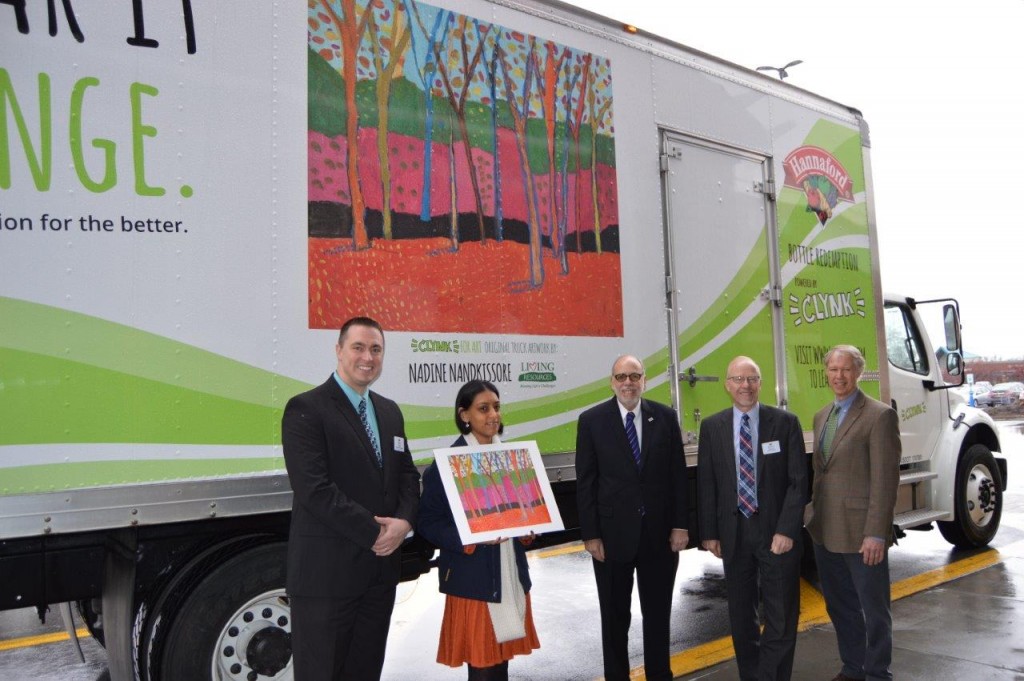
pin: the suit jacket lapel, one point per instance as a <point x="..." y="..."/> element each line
<point x="765" y="429"/>
<point x="387" y="437"/>
<point x="619" y="429"/>
<point x="647" y="428"/>
<point x="727" y="447"/>
<point x="819" y="426"/>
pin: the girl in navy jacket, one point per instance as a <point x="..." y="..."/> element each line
<point x="487" y="614"/>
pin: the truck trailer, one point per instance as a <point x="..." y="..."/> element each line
<point x="195" y="196"/>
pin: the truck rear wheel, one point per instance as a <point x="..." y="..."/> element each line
<point x="235" y="624"/>
<point x="978" y="500"/>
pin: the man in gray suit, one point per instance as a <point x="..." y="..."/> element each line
<point x="752" y="474"/>
<point x="856" y="475"/>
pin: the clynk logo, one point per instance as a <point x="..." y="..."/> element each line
<point x="426" y="345"/>
<point x="821" y="177"/>
<point x="816" y="307"/>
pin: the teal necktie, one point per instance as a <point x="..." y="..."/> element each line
<point x="365" y="418"/>
<point x="830" y="432"/>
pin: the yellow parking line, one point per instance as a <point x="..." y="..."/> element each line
<point x="812" y="607"/>
<point x="575" y="547"/>
<point x="29" y="641"/>
<point x="813" y="613"/>
<point x="946" y="573"/>
<point x="699" y="657"/>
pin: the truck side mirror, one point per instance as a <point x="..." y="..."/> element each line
<point x="951" y="324"/>
<point x="954" y="363"/>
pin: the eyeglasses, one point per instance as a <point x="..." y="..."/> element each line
<point x="621" y="378"/>
<point x="749" y="380"/>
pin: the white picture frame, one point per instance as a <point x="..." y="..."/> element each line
<point x="498" y="491"/>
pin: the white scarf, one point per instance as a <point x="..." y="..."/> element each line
<point x="509" y="615"/>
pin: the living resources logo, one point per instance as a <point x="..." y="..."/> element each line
<point x="536" y="372"/>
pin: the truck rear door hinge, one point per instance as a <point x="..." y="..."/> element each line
<point x="772" y="293"/>
<point x="766" y="187"/>
<point x="671" y="152"/>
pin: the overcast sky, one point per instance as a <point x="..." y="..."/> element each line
<point x="941" y="85"/>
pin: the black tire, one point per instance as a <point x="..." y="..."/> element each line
<point x="978" y="500"/>
<point x="234" y="622"/>
<point x="92" y="619"/>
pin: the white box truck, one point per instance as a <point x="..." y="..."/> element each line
<point x="194" y="197"/>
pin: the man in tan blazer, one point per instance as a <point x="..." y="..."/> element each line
<point x="856" y="475"/>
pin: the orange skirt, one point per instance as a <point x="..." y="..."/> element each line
<point x="467" y="635"/>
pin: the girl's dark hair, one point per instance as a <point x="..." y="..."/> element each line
<point x="464" y="400"/>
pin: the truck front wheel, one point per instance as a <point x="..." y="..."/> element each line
<point x="978" y="500"/>
<point x="236" y="623"/>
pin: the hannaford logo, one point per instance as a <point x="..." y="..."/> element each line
<point x="537" y="372"/>
<point x="821" y="177"/>
<point x="815" y="307"/>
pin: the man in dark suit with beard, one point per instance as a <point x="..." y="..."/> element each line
<point x="356" y="493"/>
<point x="631" y="491"/>
<point x="752" y="482"/>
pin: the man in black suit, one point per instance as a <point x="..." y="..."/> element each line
<point x="631" y="490"/>
<point x="752" y="481"/>
<point x="356" y="492"/>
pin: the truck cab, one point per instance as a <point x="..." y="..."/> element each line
<point x="940" y="433"/>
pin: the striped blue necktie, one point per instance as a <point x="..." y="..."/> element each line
<point x="634" y="441"/>
<point x="747" y="482"/>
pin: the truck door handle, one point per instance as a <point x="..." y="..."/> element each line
<point x="691" y="377"/>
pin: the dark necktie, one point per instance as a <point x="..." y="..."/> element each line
<point x="364" y="417"/>
<point x="634" y="441"/>
<point x="831" y="424"/>
<point x="747" y="485"/>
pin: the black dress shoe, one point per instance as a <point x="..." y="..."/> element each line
<point x="843" y="677"/>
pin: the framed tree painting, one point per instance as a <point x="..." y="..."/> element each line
<point x="498" y="491"/>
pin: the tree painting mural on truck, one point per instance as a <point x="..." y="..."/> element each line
<point x="445" y="148"/>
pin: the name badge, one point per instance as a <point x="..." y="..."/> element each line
<point x="771" y="447"/>
<point x="400" y="443"/>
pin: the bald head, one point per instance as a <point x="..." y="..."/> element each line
<point x="743" y="382"/>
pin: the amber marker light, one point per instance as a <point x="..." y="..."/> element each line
<point x="629" y="28"/>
